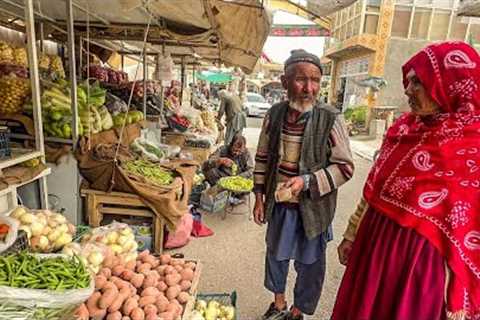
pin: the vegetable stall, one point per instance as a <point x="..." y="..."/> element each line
<point x="73" y="125"/>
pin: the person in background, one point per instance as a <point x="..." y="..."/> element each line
<point x="412" y="246"/>
<point x="220" y="164"/>
<point x="236" y="120"/>
<point x="304" y="147"/>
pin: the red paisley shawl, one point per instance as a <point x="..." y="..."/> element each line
<point x="427" y="176"/>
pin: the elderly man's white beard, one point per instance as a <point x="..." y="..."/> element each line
<point x="300" y="106"/>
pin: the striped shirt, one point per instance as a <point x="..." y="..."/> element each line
<point x="326" y="179"/>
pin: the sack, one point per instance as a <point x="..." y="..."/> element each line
<point x="181" y="236"/>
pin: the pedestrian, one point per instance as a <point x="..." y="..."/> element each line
<point x="235" y="118"/>
<point x="416" y="252"/>
<point x="220" y="164"/>
<point x="303" y="146"/>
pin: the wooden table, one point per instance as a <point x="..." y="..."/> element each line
<point x="100" y="203"/>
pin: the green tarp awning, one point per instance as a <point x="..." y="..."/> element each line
<point x="215" y="77"/>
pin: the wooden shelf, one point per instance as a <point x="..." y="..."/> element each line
<point x="46" y="139"/>
<point x="19" y="156"/>
<point x="42" y="174"/>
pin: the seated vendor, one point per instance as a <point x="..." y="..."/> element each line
<point x="221" y="163"/>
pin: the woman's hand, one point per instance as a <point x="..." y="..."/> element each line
<point x="224" y="162"/>
<point x="344" y="250"/>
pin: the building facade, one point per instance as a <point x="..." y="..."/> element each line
<point x="375" y="37"/>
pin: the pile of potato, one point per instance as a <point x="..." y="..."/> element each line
<point x="13" y="93"/>
<point x="150" y="288"/>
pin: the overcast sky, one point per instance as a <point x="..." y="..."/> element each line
<point x="278" y="48"/>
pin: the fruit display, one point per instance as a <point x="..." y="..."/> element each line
<point x="51" y="273"/>
<point x="179" y="123"/>
<point x="153" y="87"/>
<point x="6" y="53"/>
<point x="236" y="184"/>
<point x="150" y="171"/>
<point x="47" y="231"/>
<point x="208" y="118"/>
<point x="118" y="237"/>
<point x="149" y="288"/>
<point x="122" y="118"/>
<point x="20" y="57"/>
<point x="212" y="310"/>
<point x="7" y="69"/>
<point x="44" y="61"/>
<point x="106" y="75"/>
<point x="56" y="66"/>
<point x="13" y="93"/>
<point x="115" y="105"/>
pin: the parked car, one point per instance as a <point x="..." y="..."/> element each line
<point x="256" y="105"/>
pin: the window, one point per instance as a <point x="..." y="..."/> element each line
<point x="350" y="29"/>
<point x="401" y="21"/>
<point x="356" y="26"/>
<point x="474" y="35"/>
<point x="255" y="98"/>
<point x="441" y="19"/>
<point x="371" y="24"/>
<point x="459" y="29"/>
<point x="421" y="21"/>
<point x="373" y="5"/>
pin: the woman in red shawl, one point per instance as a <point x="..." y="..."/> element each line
<point x="416" y="254"/>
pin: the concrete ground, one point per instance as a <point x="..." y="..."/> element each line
<point x="233" y="258"/>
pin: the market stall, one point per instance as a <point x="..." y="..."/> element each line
<point x="69" y="108"/>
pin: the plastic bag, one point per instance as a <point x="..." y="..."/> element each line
<point x="119" y="237"/>
<point x="93" y="255"/>
<point x="150" y="150"/>
<point x="47" y="231"/>
<point x="13" y="225"/>
<point x="28" y="304"/>
<point x="181" y="236"/>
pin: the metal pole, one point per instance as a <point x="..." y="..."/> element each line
<point x="80" y="57"/>
<point x="145" y="76"/>
<point x="73" y="71"/>
<point x="182" y="78"/>
<point x="35" y="84"/>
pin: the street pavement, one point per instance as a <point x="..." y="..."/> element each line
<point x="233" y="258"/>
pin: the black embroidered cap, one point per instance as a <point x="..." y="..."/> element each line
<point x="300" y="55"/>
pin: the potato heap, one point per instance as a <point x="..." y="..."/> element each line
<point x="13" y="92"/>
<point x="149" y="288"/>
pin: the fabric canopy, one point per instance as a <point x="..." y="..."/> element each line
<point x="215" y="77"/>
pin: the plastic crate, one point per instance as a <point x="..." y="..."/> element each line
<point x="214" y="202"/>
<point x="5" y="151"/>
<point x="227" y="299"/>
<point x="196" y="193"/>
<point x="20" y="244"/>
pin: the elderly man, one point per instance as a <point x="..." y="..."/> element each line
<point x="220" y="164"/>
<point x="236" y="121"/>
<point x="303" y="153"/>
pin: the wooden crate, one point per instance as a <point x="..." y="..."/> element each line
<point x="189" y="307"/>
<point x="100" y="203"/>
<point x="199" y="154"/>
